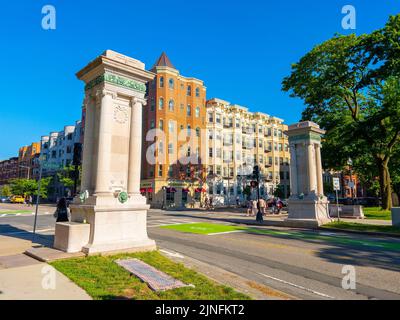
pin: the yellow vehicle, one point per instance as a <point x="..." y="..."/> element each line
<point x="17" y="199"/>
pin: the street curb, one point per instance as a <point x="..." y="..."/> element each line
<point x="369" y="233"/>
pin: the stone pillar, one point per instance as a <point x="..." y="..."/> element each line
<point x="104" y="144"/>
<point x="307" y="208"/>
<point x="320" y="181"/>
<point x="135" y="147"/>
<point x="87" y="154"/>
<point x="312" y="185"/>
<point x="293" y="171"/>
<point x="116" y="212"/>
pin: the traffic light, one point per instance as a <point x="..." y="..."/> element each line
<point x="256" y="172"/>
<point x="77" y="159"/>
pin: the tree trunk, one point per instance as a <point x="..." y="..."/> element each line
<point x="385" y="184"/>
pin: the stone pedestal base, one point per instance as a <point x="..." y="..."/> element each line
<point x="113" y="228"/>
<point x="71" y="236"/>
<point x="308" y="213"/>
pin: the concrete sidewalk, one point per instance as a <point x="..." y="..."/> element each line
<point x="25" y="278"/>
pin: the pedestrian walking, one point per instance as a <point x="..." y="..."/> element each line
<point x="249" y="206"/>
<point x="254" y="209"/>
<point x="62" y="211"/>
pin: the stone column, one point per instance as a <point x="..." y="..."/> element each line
<point x="311" y="168"/>
<point x="90" y="107"/>
<point x="135" y="147"/>
<point x="320" y="182"/>
<point x="104" y="147"/>
<point x="293" y="170"/>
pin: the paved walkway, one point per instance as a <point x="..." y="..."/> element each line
<point x="24" y="278"/>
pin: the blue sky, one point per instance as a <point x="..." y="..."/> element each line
<point x="241" y="49"/>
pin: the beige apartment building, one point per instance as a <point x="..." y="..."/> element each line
<point x="237" y="141"/>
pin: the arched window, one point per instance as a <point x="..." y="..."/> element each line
<point x="171" y="83"/>
<point x="189" y="128"/>
<point x="189" y="90"/>
<point x="161" y="82"/>
<point x="197" y="92"/>
<point x="197" y="112"/>
<point x="188" y="110"/>
<point x="171" y="105"/>
<point x="161" y="103"/>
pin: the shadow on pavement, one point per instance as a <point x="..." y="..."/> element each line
<point x="7" y="230"/>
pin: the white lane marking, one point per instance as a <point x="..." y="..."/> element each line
<point x="297" y="286"/>
<point x="3" y="215"/>
<point x="227" y="232"/>
<point x="173" y="254"/>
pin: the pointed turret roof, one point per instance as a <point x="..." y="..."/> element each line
<point x="163" y="61"/>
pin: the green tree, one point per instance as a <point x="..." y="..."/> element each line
<point x="5" y="191"/>
<point x="29" y="187"/>
<point x="350" y="85"/>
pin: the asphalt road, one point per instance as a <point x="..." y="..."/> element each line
<point x="304" y="264"/>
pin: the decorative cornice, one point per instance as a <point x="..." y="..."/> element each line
<point x="309" y="136"/>
<point x="118" y="81"/>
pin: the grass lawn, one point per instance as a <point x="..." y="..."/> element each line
<point x="103" y="279"/>
<point x="15" y="211"/>
<point x="377" y="213"/>
<point x="362" y="227"/>
<point x="203" y="228"/>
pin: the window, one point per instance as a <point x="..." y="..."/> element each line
<point x="170" y="171"/>
<point x="210" y="152"/>
<point x="69" y="149"/>
<point x="218" y="153"/>
<point x="171" y="83"/>
<point x="197" y="112"/>
<point x="188" y="152"/>
<point x="197" y="92"/>
<point x="188" y="110"/>
<point x="69" y="136"/>
<point x="219" y="170"/>
<point x="54" y="154"/>
<point x="160" y="167"/>
<point x="161" y="147"/>
<point x="170" y="148"/>
<point x="210" y="117"/>
<point x="218" y="118"/>
<point x="161" y="103"/>
<point x="197" y="132"/>
<point x="152" y="105"/>
<point x="189" y="128"/>
<point x="152" y="124"/>
<point x="171" y="105"/>
<point x="161" y="124"/>
<point x="161" y="82"/>
<point x="280" y="147"/>
<point x="171" y="127"/>
<point x="189" y="91"/>
<point x="210" y="134"/>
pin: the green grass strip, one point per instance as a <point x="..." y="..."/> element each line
<point x="203" y="228"/>
<point x="103" y="279"/>
<point x="15" y="211"/>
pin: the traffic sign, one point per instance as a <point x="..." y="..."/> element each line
<point x="336" y="184"/>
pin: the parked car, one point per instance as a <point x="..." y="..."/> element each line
<point x="5" y="199"/>
<point x="17" y="199"/>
